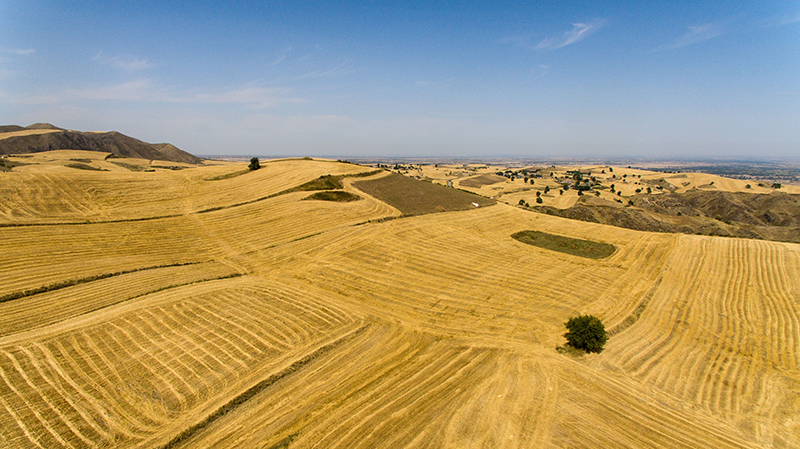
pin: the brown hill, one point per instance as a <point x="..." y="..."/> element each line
<point x="775" y="216"/>
<point x="42" y="126"/>
<point x="10" y="128"/>
<point x="170" y="152"/>
<point x="110" y="142"/>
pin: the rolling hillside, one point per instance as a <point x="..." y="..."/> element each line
<point x="45" y="137"/>
<point x="216" y="307"/>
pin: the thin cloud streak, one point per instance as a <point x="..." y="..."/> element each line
<point x="699" y="33"/>
<point x="144" y="91"/>
<point x="137" y="90"/>
<point x="279" y="60"/>
<point x="256" y="97"/>
<point x="125" y="63"/>
<point x="579" y="32"/>
<point x="338" y="70"/>
<point x="781" y="20"/>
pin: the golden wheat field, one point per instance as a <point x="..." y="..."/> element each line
<point x="215" y="307"/>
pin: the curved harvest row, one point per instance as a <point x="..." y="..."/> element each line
<point x="722" y="333"/>
<point x="132" y="374"/>
<point x="463" y="273"/>
<point x="77" y="196"/>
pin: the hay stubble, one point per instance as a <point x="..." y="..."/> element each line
<point x="273" y="321"/>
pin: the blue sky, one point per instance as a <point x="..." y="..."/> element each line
<point x="473" y="79"/>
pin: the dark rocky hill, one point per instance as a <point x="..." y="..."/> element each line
<point x="109" y="142"/>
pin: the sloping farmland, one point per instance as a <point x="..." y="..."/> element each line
<point x="273" y="321"/>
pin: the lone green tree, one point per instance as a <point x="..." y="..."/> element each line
<point x="586" y="332"/>
<point x="254" y="165"/>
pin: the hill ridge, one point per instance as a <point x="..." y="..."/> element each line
<point x="112" y="142"/>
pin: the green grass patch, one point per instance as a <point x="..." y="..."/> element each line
<point x="81" y="166"/>
<point x="170" y="167"/>
<point x="229" y="175"/>
<point x="568" y="245"/>
<point x="131" y="167"/>
<point x="6" y="165"/>
<point x="333" y="195"/>
<point x="326" y="182"/>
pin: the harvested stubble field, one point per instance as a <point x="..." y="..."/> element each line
<point x="276" y="321"/>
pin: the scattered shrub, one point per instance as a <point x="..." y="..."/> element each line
<point x="254" y="164"/>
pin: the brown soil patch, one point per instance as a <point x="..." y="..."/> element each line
<point x="413" y="197"/>
<point x="482" y="180"/>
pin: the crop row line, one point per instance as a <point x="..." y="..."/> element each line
<point x="257" y="388"/>
<point x="84" y="280"/>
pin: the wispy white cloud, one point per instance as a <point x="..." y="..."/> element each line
<point x="145" y="91"/>
<point x="137" y="90"/>
<point x="579" y="32"/>
<point x="24" y="51"/>
<point x="341" y="69"/>
<point x="781" y="20"/>
<point x="541" y="70"/>
<point x="699" y="33"/>
<point x="254" y="97"/>
<point x="124" y="62"/>
<point x="279" y="60"/>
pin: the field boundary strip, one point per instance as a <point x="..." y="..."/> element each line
<point x="74" y="282"/>
<point x="83" y="223"/>
<point x="202" y="211"/>
<point x="298" y="188"/>
<point x="248" y="394"/>
<point x="634" y="316"/>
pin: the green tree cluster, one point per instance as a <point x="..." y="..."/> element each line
<point x="586" y="332"/>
